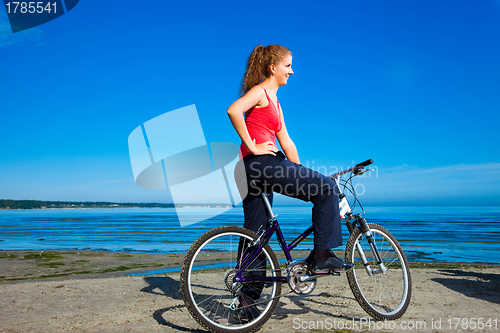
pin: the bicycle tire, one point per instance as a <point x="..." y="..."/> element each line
<point x="384" y="296"/>
<point x="206" y="292"/>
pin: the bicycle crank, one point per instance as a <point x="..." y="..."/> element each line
<point x="296" y="273"/>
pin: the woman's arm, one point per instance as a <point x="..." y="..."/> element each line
<point x="286" y="142"/>
<point x="236" y="111"/>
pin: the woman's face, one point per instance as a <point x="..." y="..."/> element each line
<point x="283" y="70"/>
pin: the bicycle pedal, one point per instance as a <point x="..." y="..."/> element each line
<point x="321" y="272"/>
<point x="326" y="272"/>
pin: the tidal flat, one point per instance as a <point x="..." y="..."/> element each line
<point x="53" y="265"/>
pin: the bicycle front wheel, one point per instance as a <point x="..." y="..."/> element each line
<point x="383" y="294"/>
<point x="209" y="291"/>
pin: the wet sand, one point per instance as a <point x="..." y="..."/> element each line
<point x="85" y="291"/>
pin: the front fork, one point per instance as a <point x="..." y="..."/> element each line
<point x="365" y="229"/>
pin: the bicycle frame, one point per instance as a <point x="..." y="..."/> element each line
<point x="263" y="239"/>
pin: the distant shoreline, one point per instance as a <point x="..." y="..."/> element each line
<point x="38" y="204"/>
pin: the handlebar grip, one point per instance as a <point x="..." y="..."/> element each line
<point x="365" y="163"/>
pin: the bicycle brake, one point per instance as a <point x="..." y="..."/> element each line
<point x="359" y="172"/>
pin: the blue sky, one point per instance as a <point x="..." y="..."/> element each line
<point x="412" y="84"/>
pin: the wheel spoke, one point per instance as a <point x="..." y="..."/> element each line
<point x="382" y="295"/>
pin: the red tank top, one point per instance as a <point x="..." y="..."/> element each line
<point x="262" y="124"/>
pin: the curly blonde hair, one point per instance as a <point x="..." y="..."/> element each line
<point x="258" y="65"/>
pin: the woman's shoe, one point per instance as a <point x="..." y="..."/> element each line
<point x="333" y="263"/>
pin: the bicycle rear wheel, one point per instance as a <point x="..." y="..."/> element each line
<point x="383" y="295"/>
<point x="208" y="288"/>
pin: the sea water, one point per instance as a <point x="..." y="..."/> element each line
<point x="451" y="234"/>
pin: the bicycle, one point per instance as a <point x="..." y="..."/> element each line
<point x="213" y="276"/>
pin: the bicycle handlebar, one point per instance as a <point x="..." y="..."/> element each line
<point x="365" y="163"/>
<point x="358" y="166"/>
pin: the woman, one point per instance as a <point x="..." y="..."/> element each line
<point x="258" y="118"/>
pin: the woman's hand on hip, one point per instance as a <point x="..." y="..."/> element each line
<point x="264" y="148"/>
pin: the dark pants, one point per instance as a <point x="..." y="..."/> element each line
<point x="276" y="174"/>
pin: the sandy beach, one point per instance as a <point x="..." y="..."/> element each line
<point x="84" y="291"/>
